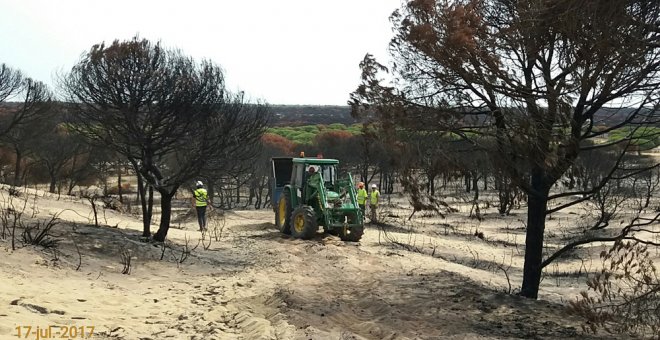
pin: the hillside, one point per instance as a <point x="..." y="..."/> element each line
<point x="294" y="115"/>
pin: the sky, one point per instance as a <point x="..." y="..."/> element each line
<point x="279" y="51"/>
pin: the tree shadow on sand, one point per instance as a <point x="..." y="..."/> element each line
<point x="82" y="245"/>
<point x="427" y="306"/>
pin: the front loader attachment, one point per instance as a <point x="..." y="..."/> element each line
<point x="338" y="208"/>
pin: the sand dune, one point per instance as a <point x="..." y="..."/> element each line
<point x="255" y="283"/>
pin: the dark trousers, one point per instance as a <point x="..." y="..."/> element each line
<point x="201" y="217"/>
<point x="363" y="207"/>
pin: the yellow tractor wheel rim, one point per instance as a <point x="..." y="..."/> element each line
<point x="282" y="211"/>
<point x="299" y="223"/>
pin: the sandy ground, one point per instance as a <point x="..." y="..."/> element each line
<point x="439" y="282"/>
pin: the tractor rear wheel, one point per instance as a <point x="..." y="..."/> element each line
<point x="283" y="213"/>
<point x="303" y="223"/>
<point x="351" y="234"/>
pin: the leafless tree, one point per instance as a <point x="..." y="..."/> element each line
<point x="56" y="146"/>
<point x="258" y="183"/>
<point x="19" y="122"/>
<point x="535" y="76"/>
<point x="10" y="82"/>
<point x="102" y="162"/>
<point x="650" y="181"/>
<point x="166" y="113"/>
<point x="22" y="140"/>
<point x="79" y="169"/>
<point x="32" y="99"/>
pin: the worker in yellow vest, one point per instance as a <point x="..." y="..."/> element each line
<point x="362" y="198"/>
<point x="374" y="198"/>
<point x="201" y="200"/>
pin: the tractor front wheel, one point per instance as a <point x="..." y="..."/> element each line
<point x="351" y="234"/>
<point x="303" y="223"/>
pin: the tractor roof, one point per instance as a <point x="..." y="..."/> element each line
<point x="312" y="160"/>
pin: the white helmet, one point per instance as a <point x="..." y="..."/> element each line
<point x="373" y="186"/>
<point x="199" y="184"/>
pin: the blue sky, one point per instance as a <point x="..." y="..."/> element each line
<point x="284" y="51"/>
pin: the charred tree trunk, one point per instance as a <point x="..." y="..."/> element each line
<point x="263" y="182"/>
<point x="146" y="216"/>
<point x="388" y="183"/>
<point x="238" y="190"/>
<point x="536" y="211"/>
<point x="571" y="180"/>
<point x="17" y="167"/>
<point x="468" y="182"/>
<point x="53" y="182"/>
<point x="431" y="185"/>
<point x="210" y="189"/>
<point x="72" y="180"/>
<point x="252" y="192"/>
<point x="121" y="197"/>
<point x="150" y="203"/>
<point x="504" y="194"/>
<point x="105" y="186"/>
<point x="146" y="229"/>
<point x="269" y="192"/>
<point x="165" y="216"/>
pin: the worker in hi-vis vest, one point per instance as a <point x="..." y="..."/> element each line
<point x="362" y="198"/>
<point x="374" y="198"/>
<point x="201" y="200"/>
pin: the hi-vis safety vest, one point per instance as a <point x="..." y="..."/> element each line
<point x="362" y="196"/>
<point x="375" y="195"/>
<point x="200" y="197"/>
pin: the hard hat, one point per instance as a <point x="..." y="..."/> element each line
<point x="199" y="184"/>
<point x="360" y="185"/>
<point x="373" y="186"/>
<point x="311" y="169"/>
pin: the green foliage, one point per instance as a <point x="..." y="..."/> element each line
<point x="337" y="126"/>
<point x="310" y="128"/>
<point x="645" y="138"/>
<point x="304" y="135"/>
<point x="355" y="129"/>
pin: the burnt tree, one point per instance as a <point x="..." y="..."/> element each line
<point x="534" y="76"/>
<point x="166" y="113"/>
<point x="32" y="99"/>
<point x="57" y="148"/>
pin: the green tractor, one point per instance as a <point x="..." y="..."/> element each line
<point x="307" y="194"/>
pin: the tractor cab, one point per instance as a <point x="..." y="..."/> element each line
<point x="297" y="172"/>
<point x="315" y="173"/>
